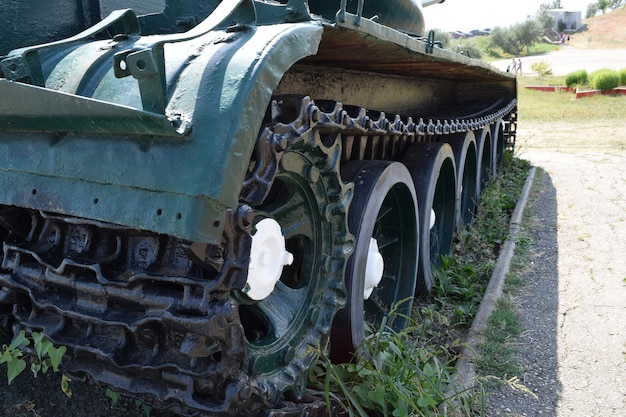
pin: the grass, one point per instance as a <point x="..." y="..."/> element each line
<point x="541" y="106"/>
<point x="539" y="48"/>
<point x="497" y="360"/>
<point x="501" y="335"/>
<point x="495" y="54"/>
<point x="410" y="373"/>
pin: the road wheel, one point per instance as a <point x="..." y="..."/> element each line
<point x="464" y="149"/>
<point x="380" y="275"/>
<point x="434" y="174"/>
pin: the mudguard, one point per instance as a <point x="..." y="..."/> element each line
<point x="165" y="125"/>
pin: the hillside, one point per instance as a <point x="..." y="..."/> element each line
<point x="603" y="31"/>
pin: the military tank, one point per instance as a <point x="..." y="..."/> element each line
<point x="200" y="197"/>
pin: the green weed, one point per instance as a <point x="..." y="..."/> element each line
<point x="459" y="286"/>
<point x="46" y="356"/>
<point x="542" y="68"/>
<point x="394" y="376"/>
<point x="409" y="373"/>
<point x="498" y="348"/>
<point x="140" y="406"/>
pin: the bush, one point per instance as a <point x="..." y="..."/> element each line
<point x="604" y="79"/>
<point x="577" y="78"/>
<point x="542" y="68"/>
<point x="470" y="50"/>
<point x="622" y="76"/>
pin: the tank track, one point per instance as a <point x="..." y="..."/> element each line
<point x="365" y="134"/>
<point x="151" y="314"/>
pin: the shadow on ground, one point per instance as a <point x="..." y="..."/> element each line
<point x="538" y="305"/>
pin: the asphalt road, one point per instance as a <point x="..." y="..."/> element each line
<point x="569" y="58"/>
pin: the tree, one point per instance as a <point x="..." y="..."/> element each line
<point x="549" y="6"/>
<point x="528" y="33"/>
<point x="545" y="20"/>
<point x="603" y="5"/>
<point x="592" y="10"/>
<point x="512" y="40"/>
<point x="505" y="39"/>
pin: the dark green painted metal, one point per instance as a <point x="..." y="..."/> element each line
<point x="26" y="108"/>
<point x="29" y="64"/>
<point x="286" y="330"/>
<point x="172" y="116"/>
<point x="29" y="22"/>
<point x="218" y="81"/>
<point x="403" y="15"/>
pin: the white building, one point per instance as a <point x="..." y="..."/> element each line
<point x="572" y="19"/>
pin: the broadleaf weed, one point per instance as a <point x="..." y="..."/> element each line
<point x="410" y="373"/>
<point x="46" y="356"/>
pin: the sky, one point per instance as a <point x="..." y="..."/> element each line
<point x="466" y="15"/>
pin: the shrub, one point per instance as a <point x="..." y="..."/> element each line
<point x="622" y="76"/>
<point x="604" y="79"/>
<point x="577" y="78"/>
<point x="542" y="68"/>
<point x="470" y="50"/>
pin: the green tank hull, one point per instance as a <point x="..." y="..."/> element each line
<point x="143" y="151"/>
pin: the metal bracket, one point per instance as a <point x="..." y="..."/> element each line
<point x="146" y="62"/>
<point x="24" y="64"/>
<point x="297" y="11"/>
<point x="431" y="42"/>
<point x="341" y="14"/>
<point x="149" y="70"/>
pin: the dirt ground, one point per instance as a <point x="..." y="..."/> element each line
<point x="574" y="344"/>
<point x="602" y="32"/>
<point x="42" y="397"/>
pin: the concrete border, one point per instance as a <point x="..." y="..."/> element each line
<point x="465" y="368"/>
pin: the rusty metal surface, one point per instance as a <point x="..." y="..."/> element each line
<point x="371" y="47"/>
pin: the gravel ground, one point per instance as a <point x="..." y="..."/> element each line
<point x="572" y="307"/>
<point x="537" y="354"/>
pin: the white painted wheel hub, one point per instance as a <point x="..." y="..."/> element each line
<point x="267" y="259"/>
<point x="373" y="269"/>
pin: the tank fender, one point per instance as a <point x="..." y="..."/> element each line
<point x="229" y="104"/>
<point x="223" y="94"/>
